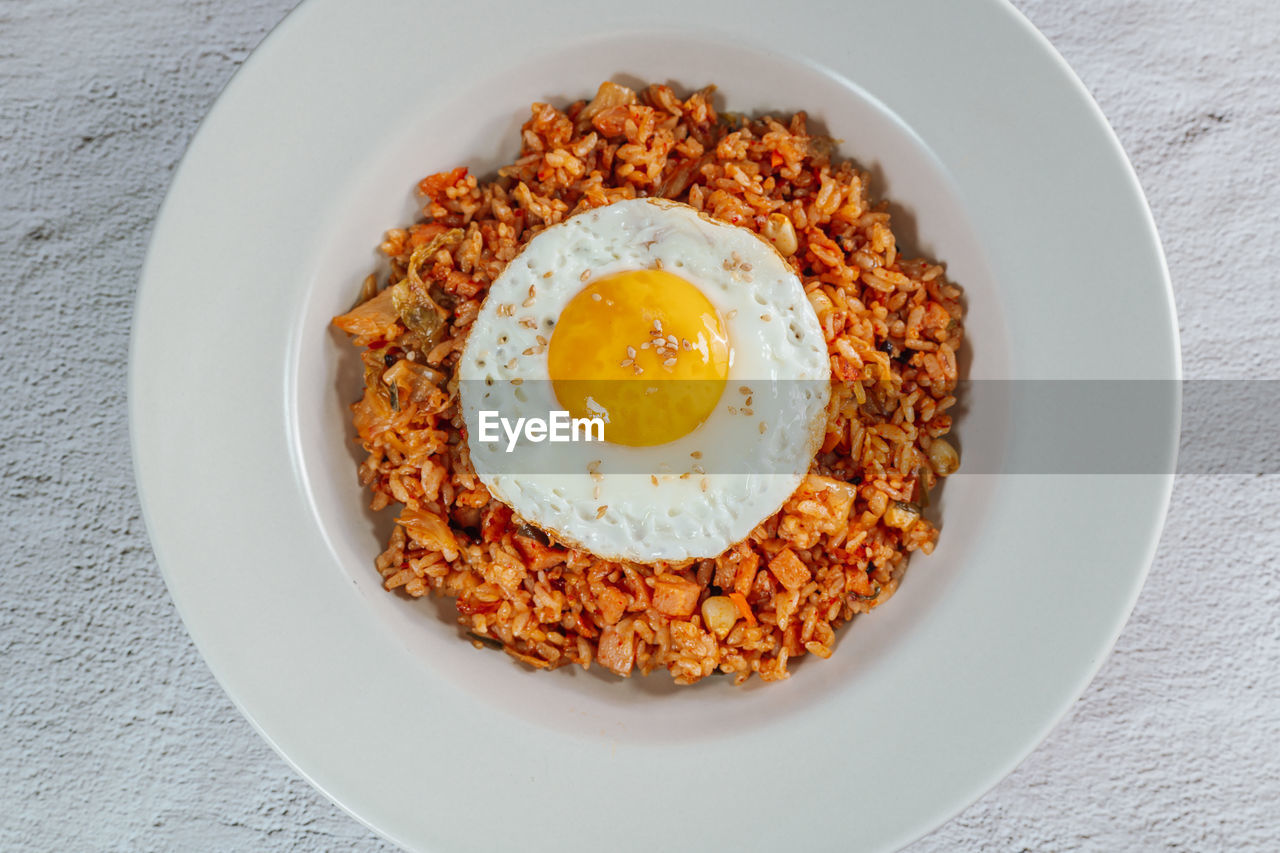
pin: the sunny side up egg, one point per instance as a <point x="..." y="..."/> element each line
<point x="691" y="340"/>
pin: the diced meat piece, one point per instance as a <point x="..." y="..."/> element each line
<point x="675" y="596"/>
<point x="612" y="605"/>
<point x="790" y="571"/>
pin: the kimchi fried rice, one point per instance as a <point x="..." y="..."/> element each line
<point x="836" y="548"/>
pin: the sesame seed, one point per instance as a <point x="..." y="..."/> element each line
<point x="631" y="352"/>
<point x="669" y="363"/>
<point x="595" y="494"/>
<point x="601" y="511"/>
<point x="542" y="342"/>
<point x="697" y="454"/>
<point x="528" y="351"/>
<point x="673" y="340"/>
<point x="763" y="426"/>
<point x="685" y="475"/>
<point x="593" y="465"/>
<point x="685" y="345"/>
<point x="657" y="263"/>
<point x="743" y="389"/>
<point x="644" y="345"/>
<point x="732" y="313"/>
<point x="657" y="324"/>
<point x="595" y="297"/>
<point x="653" y="478"/>
<point x="626" y="362"/>
<point x="517" y="381"/>
<point x="528" y="322"/>
<point x="702" y="484"/>
<point x="733" y="410"/>
<point x="765" y="317"/>
<point x="748" y="403"/>
<point x="547" y="274"/>
<point x="597" y="476"/>
<point x="748" y="412"/>
<point x="698" y="469"/>
<point x="737" y="259"/>
<point x="745" y="267"/>
<point x="511" y="365"/>
<point x="638" y="369"/>
<point x="586" y="274"/>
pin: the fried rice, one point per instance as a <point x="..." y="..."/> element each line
<point x="836" y="548"/>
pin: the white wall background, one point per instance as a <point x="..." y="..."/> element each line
<point x="114" y="735"/>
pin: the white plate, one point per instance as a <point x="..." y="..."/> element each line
<point x="997" y="162"/>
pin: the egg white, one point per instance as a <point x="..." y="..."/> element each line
<point x="714" y="484"/>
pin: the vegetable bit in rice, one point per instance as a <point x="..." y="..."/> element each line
<point x="836" y="548"/>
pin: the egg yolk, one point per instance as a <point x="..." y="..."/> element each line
<point x="645" y="351"/>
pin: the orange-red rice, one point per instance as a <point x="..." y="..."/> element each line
<point x="837" y="548"/>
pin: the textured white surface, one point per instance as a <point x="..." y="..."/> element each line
<point x="115" y="735"/>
